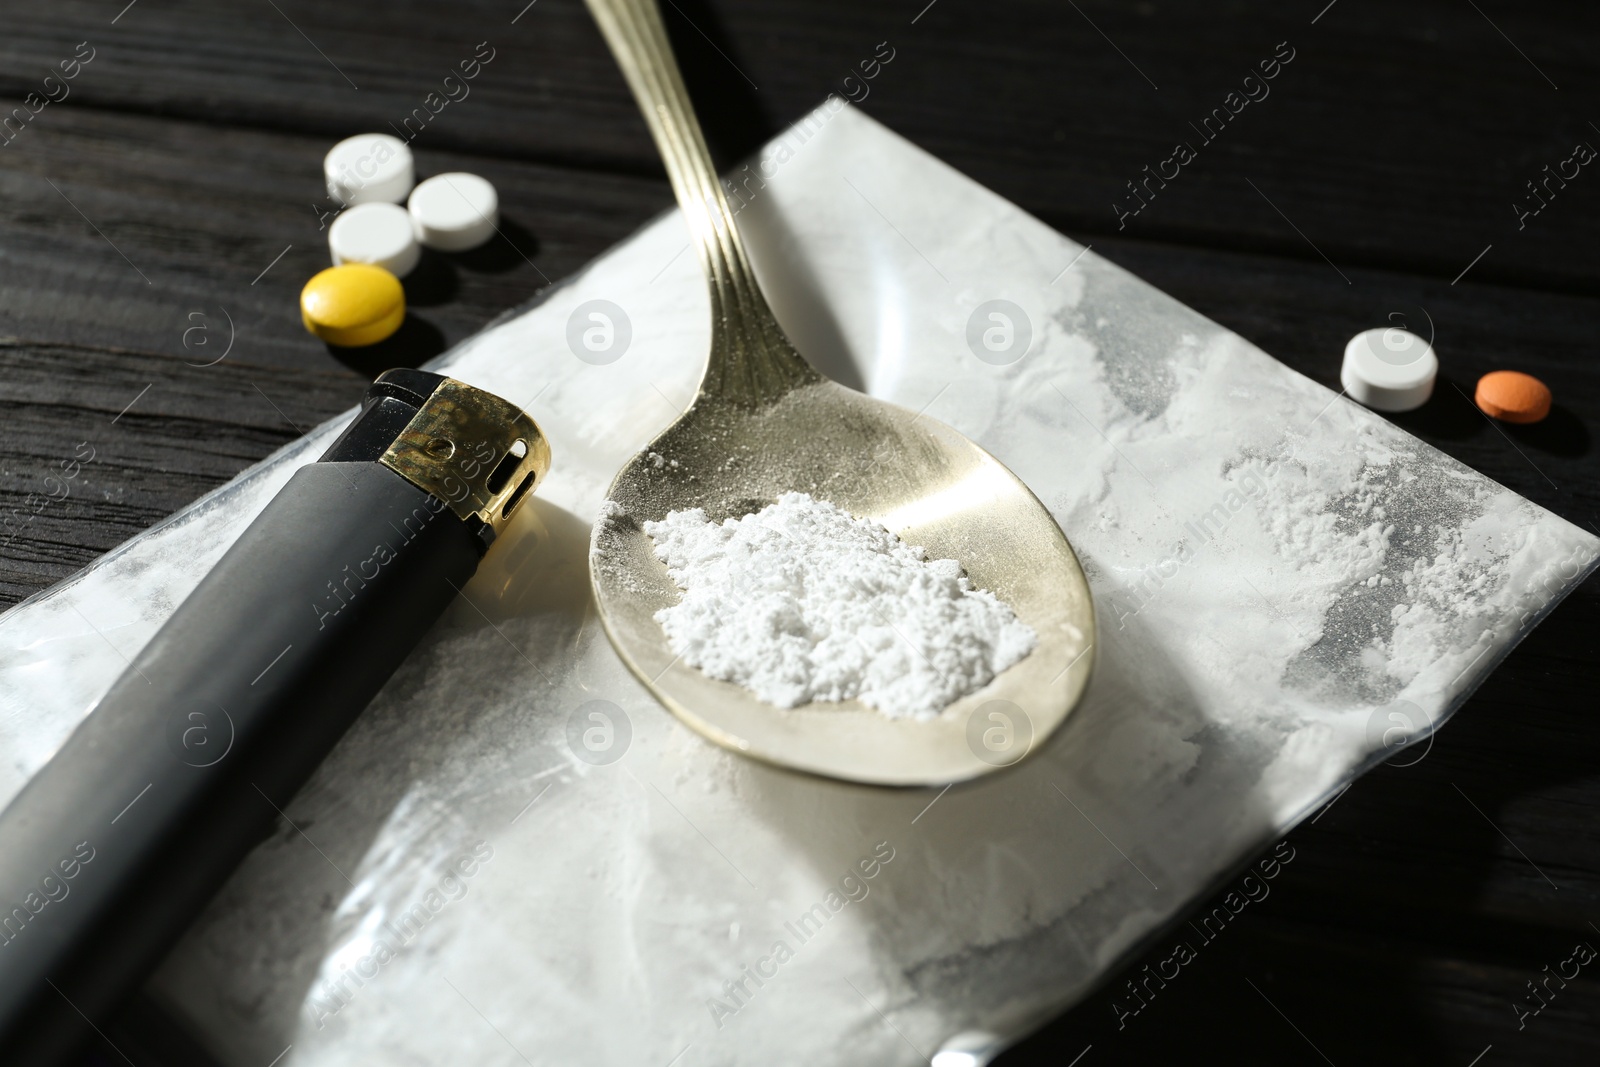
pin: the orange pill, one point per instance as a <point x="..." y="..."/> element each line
<point x="1511" y="396"/>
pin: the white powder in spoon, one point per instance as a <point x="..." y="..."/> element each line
<point x="803" y="601"/>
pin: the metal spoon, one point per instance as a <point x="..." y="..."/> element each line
<point x="764" y="423"/>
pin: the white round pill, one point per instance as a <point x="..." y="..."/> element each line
<point x="454" y="212"/>
<point x="1389" y="369"/>
<point x="379" y="234"/>
<point x="368" y="168"/>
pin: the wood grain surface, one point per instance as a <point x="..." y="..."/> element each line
<point x="170" y="203"/>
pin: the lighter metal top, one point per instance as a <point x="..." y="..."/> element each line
<point x="479" y="454"/>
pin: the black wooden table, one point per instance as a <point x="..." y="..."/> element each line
<point x="166" y="201"/>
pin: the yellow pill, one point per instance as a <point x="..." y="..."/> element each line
<point x="353" y="304"/>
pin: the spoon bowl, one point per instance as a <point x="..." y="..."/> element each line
<point x="764" y="424"/>
<point x="923" y="481"/>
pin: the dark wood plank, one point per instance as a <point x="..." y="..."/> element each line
<point x="1372" y="141"/>
<point x="101" y="444"/>
<point x="165" y="224"/>
<point x="127" y="266"/>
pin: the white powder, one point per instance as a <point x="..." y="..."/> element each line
<point x="803" y="601"/>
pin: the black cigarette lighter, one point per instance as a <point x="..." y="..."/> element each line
<point x="183" y="766"/>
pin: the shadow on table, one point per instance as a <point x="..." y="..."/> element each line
<point x="413" y="344"/>
<point x="434" y="281"/>
<point x="1451" y="415"/>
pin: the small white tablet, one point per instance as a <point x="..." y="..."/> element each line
<point x="369" y="167"/>
<point x="378" y="234"/>
<point x="1389" y="369"/>
<point x="454" y="212"/>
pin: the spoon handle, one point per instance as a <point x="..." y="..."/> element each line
<point x="751" y="360"/>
